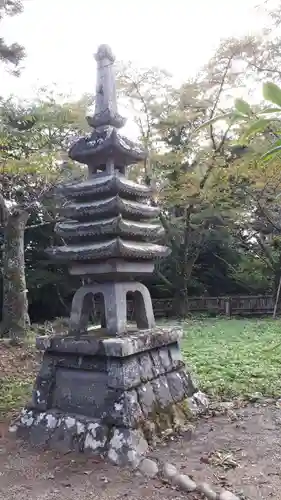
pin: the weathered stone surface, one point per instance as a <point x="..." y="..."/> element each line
<point x="169" y="471"/>
<point x="184" y="482"/>
<point x="114" y="293"/>
<point x="43" y="384"/>
<point x="83" y="392"/>
<point x="162" y="392"/>
<point x="142" y="341"/>
<point x="206" y="489"/>
<point x="175" y="354"/>
<point x="176" y="386"/>
<point x="123" y="373"/>
<point x="145" y="367"/>
<point x="165" y="359"/>
<point x="201" y="400"/>
<point x="157" y="367"/>
<point x="227" y="495"/>
<point x="148" y="467"/>
<point x="80" y="362"/>
<point x="189" y="387"/>
<point x="147" y="398"/>
<point x="101" y="344"/>
<point x="95" y="438"/>
<point x="36" y="427"/>
<point x="125" y="411"/>
<point x="65" y="437"/>
<point x="127" y="447"/>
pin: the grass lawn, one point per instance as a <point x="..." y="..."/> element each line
<point x="234" y="357"/>
<point x="18" y="368"/>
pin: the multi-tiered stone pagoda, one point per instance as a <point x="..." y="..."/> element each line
<point x="115" y="389"/>
<point x="111" y="228"/>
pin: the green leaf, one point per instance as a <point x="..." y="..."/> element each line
<point x="272" y="93"/>
<point x="254" y="128"/>
<point x="269" y="110"/>
<point x="218" y="118"/>
<point x="243" y="107"/>
<point x="271" y="152"/>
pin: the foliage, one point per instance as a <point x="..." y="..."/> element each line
<point x="234" y="357"/>
<point x="13" y="53"/>
<point x="219" y="206"/>
<point x="32" y="141"/>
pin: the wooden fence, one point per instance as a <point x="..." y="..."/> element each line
<point x="227" y="306"/>
<point x="242" y="305"/>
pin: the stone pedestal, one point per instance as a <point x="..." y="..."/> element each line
<point x="108" y="395"/>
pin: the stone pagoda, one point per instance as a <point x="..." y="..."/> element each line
<point x="111" y="390"/>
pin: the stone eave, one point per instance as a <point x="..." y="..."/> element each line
<point x="72" y="230"/>
<point x="114" y="248"/>
<point x="90" y="151"/>
<point x="112" y="206"/>
<point x="109" y="184"/>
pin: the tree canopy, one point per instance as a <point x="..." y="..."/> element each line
<point x="214" y="164"/>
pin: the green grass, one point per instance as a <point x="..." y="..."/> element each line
<point x="18" y="367"/>
<point x="14" y="393"/>
<point x="235" y="357"/>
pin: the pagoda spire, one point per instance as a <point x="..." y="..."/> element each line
<point x="106" y="112"/>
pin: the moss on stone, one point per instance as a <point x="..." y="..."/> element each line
<point x="174" y="417"/>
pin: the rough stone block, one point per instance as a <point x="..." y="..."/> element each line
<point x="157" y="367"/>
<point x="81" y="392"/>
<point x="147" y="398"/>
<point x="162" y="391"/>
<point x="91" y="345"/>
<point x="176" y="386"/>
<point x="23" y="424"/>
<point x="145" y="367"/>
<point x="43" y="384"/>
<point x="127" y="447"/>
<point x="95" y="438"/>
<point x="80" y="362"/>
<point x="123" y="373"/>
<point x="176" y="357"/>
<point x="189" y="387"/>
<point x="125" y="411"/>
<point x="68" y="435"/>
<point x="40" y="433"/>
<point x="165" y="359"/>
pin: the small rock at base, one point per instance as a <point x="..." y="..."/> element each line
<point x="148" y="467"/>
<point x="256" y="396"/>
<point x="185" y="483"/>
<point x="226" y="405"/>
<point x="169" y="471"/>
<point x="227" y="495"/>
<point x="206" y="489"/>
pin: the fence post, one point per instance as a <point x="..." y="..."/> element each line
<point x="228" y="307"/>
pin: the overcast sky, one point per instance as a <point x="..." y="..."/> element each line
<point x="60" y="37"/>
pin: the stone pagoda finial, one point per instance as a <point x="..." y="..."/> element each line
<point x="106" y="112"/>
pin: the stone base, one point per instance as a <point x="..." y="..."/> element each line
<point x="105" y="395"/>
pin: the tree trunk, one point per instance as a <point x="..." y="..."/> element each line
<point x="181" y="303"/>
<point x="15" y="318"/>
<point x="277" y="299"/>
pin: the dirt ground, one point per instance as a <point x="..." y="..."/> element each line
<point x="240" y="451"/>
